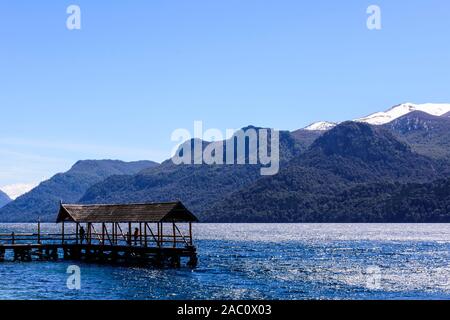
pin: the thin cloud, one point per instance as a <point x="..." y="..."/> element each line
<point x="16" y="190"/>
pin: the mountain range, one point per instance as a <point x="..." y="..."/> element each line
<point x="349" y="174"/>
<point x="392" y="166"/>
<point x="381" y="118"/>
<point x="350" y="157"/>
<point x="4" y="199"/>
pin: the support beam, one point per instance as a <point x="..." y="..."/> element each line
<point x="130" y="235"/>
<point x="89" y="233"/>
<point x="107" y="236"/>
<point x="113" y="233"/>
<point x="182" y="235"/>
<point x="62" y="232"/>
<point x="190" y="233"/>
<point x="158" y="235"/>
<point x="174" y="235"/>
<point x="145" y="234"/>
<point x="103" y="233"/>
<point x="155" y="238"/>
<point x="77" y="233"/>
<point x="39" y="231"/>
<point x="162" y="235"/>
<point x="121" y="232"/>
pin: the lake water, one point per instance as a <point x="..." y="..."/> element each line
<point x="263" y="261"/>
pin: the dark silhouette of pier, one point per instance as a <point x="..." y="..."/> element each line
<point x="145" y="234"/>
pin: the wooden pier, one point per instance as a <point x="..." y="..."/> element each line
<point x="144" y="234"/>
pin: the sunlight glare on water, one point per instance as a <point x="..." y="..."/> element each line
<point x="262" y="261"/>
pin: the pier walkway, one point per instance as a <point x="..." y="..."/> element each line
<point x="158" y="234"/>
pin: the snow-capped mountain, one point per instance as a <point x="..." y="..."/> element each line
<point x="398" y="111"/>
<point x="320" y="126"/>
<point x="380" y="118"/>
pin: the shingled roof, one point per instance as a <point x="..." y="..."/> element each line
<point x="122" y="213"/>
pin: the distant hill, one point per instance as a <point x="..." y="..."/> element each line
<point x="354" y="172"/>
<point x="198" y="186"/>
<point x="394" y="202"/>
<point x="70" y="186"/>
<point x="427" y="134"/>
<point x="4" y="199"/>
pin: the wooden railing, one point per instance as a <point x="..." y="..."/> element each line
<point x="93" y="238"/>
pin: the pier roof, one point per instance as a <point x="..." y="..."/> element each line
<point x="123" y="213"/>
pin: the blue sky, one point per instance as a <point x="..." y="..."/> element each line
<point x="138" y="70"/>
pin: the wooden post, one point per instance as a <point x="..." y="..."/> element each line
<point x="76" y="232"/>
<point x="162" y="235"/>
<point x="130" y="237"/>
<point x="113" y="235"/>
<point x="190" y="233"/>
<point x="103" y="233"/>
<point x="89" y="233"/>
<point x="39" y="231"/>
<point x="13" y="240"/>
<point x="116" y="226"/>
<point x="117" y="232"/>
<point x="158" y="236"/>
<point x="62" y="232"/>
<point x="145" y="234"/>
<point x="140" y="234"/>
<point x="174" y="235"/>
